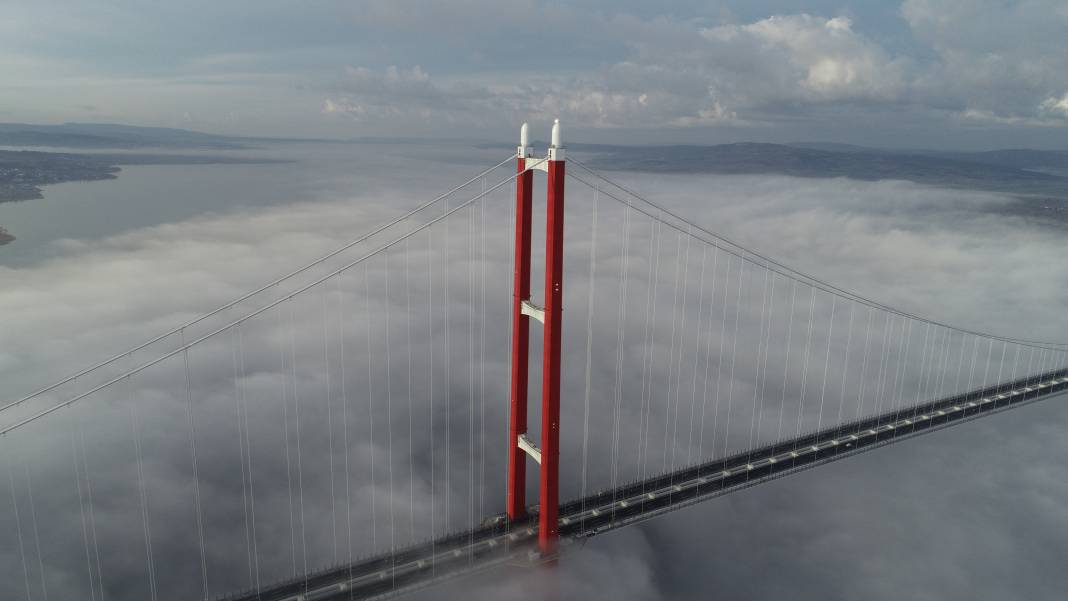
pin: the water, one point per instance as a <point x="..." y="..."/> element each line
<point x="150" y="195"/>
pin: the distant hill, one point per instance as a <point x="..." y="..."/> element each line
<point x="1022" y="158"/>
<point x="99" y="135"/>
<point x="1021" y="172"/>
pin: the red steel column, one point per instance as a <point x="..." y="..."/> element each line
<point x="517" y="424"/>
<point x="548" y="534"/>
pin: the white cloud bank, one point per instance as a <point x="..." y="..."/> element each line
<point x="932" y="250"/>
<point x="806" y="58"/>
<point x="929" y="65"/>
<point x="972" y="64"/>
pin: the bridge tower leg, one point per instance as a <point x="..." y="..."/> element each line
<point x="517" y="423"/>
<point x="548" y="456"/>
<point x="548" y="534"/>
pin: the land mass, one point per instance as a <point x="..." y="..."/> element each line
<point x="130" y="137"/>
<point x="103" y="135"/>
<point x="23" y="172"/>
<point x="1036" y="179"/>
<point x="1013" y="171"/>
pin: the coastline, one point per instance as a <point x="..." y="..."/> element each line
<point x="24" y="173"/>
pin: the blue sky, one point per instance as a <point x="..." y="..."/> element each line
<point x="961" y="73"/>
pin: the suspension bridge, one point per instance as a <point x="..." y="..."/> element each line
<point x="359" y="427"/>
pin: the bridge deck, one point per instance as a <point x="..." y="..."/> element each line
<point x="499" y="541"/>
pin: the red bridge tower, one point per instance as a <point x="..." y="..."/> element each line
<point x="524" y="310"/>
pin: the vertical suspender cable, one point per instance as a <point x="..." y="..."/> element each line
<point x="647" y="354"/>
<point x="722" y="353"/>
<point x="671" y="350"/>
<point x="884" y="362"/>
<point x="786" y="361"/>
<point x="300" y="458"/>
<point x="591" y="285"/>
<point x="471" y="375"/>
<point x="696" y="354"/>
<point x="734" y="356"/>
<point x="902" y="362"/>
<point x="923" y="364"/>
<point x="845" y="368"/>
<point x="92" y="512"/>
<point x="864" y="365"/>
<point x="472" y="388"/>
<point x="389" y="426"/>
<point x="762" y="390"/>
<point x="621" y="334"/>
<point x="760" y="343"/>
<point x="975" y="356"/>
<point x="36" y="532"/>
<point x="682" y="347"/>
<point x="482" y="356"/>
<point x="329" y="425"/>
<point x="960" y="363"/>
<point x="370" y="405"/>
<point x="289" y="463"/>
<point x="196" y="475"/>
<point x="986" y="371"/>
<point x="248" y="456"/>
<point x="18" y="529"/>
<point x="345" y="421"/>
<point x="827" y="362"/>
<point x="510" y="226"/>
<point x="708" y="358"/>
<point x="142" y="491"/>
<point x="241" y="449"/>
<point x="81" y="506"/>
<point x="411" y="406"/>
<point x="430" y="394"/>
<point x="805" y="361"/>
<point x="1001" y="370"/>
<point x="448" y="370"/>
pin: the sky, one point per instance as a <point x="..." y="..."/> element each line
<point x="936" y="73"/>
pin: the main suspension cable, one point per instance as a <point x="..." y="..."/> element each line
<point x="185" y="346"/>
<point x="760" y="260"/>
<point x="257" y="291"/>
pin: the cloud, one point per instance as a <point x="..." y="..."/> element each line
<point x="401" y="94"/>
<point x="1056" y="106"/>
<point x="705" y="77"/>
<point x="667" y="73"/>
<point x="808" y="59"/>
<point x="483" y="66"/>
<point x="1003" y="60"/>
<point x="912" y="246"/>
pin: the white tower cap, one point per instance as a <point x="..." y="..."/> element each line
<point x="556" y="149"/>
<point x="524" y="142"/>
